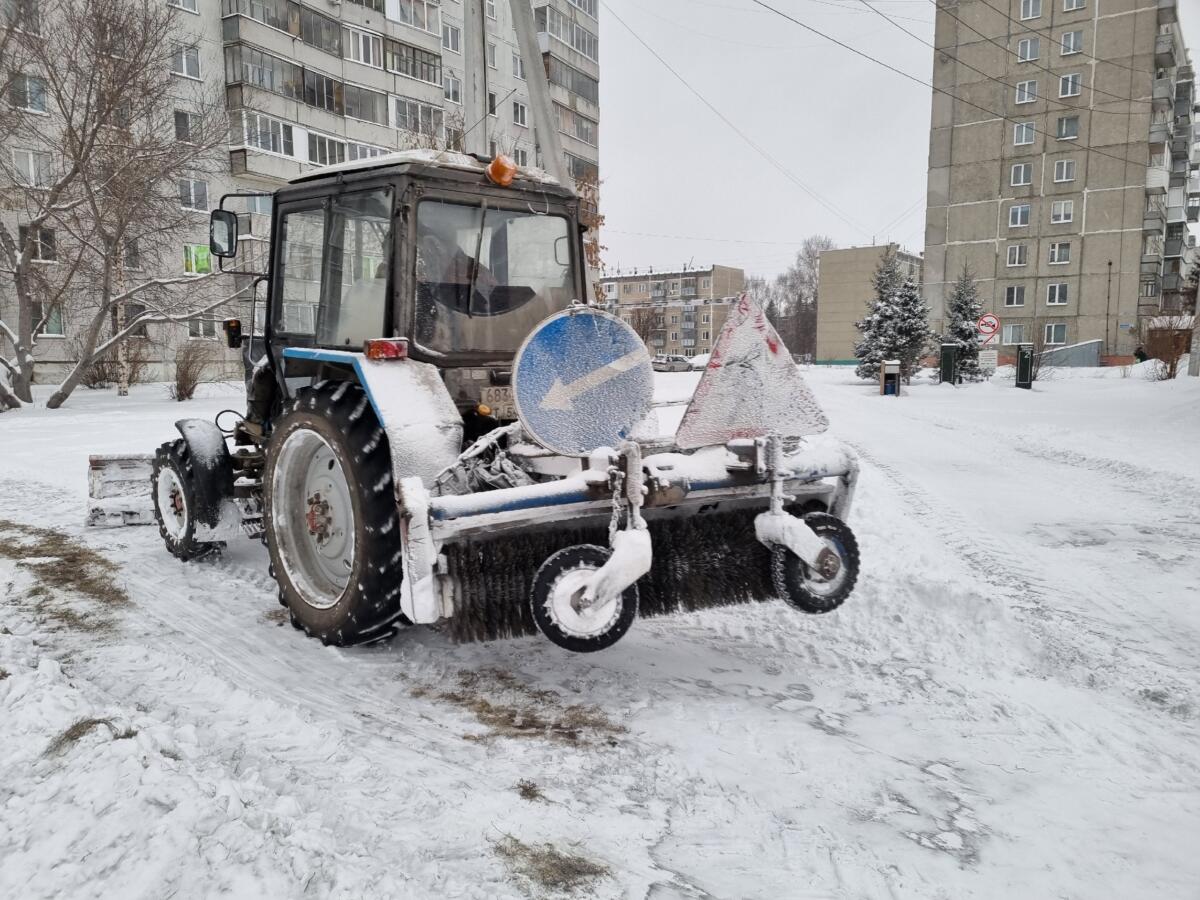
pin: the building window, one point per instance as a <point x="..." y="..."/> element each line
<point x="1028" y="49"/>
<point x="264" y="133"/>
<point x="550" y="21"/>
<point x="1013" y="334"/>
<point x="452" y="89"/>
<point x="376" y="5"/>
<point x="196" y="260"/>
<point x="1056" y="294"/>
<point x="422" y="14"/>
<point x="28" y="92"/>
<point x="43" y="243"/>
<point x="1031" y="9"/>
<point x="1064" y="170"/>
<point x="193" y="194"/>
<point x="491" y="56"/>
<point x="362" y="151"/>
<point x="1023" y="133"/>
<point x="24" y="15"/>
<point x="1070" y="85"/>
<point x="674" y="335"/>
<point x="1062" y="211"/>
<point x="492" y="105"/>
<point x="518" y="66"/>
<point x="520" y="113"/>
<point x="1149" y="289"/>
<point x="588" y="6"/>
<point x="317" y="30"/>
<point x="577" y="126"/>
<point x="47" y="323"/>
<point x="573" y="80"/>
<point x="414" y="62"/>
<point x="418" y="117"/>
<point x="1072" y="5"/>
<point x="1014" y="295"/>
<point x="520" y="156"/>
<point x="1068" y="128"/>
<point x="1072" y="42"/>
<point x="185" y="61"/>
<point x="1018" y="216"/>
<point x="1022" y="174"/>
<point x="1018" y="255"/>
<point x="202" y="328"/>
<point x="490" y="7"/>
<point x="1056" y="333"/>
<point x="363" y="47"/>
<point x="1026" y="91"/>
<point x="1060" y="253"/>
<point x="131" y="257"/>
<point x="325" y="151"/>
<point x="185" y="125"/>
<point x="32" y="168"/>
<point x="451" y="38"/>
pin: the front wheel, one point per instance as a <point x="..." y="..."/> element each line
<point x="174" y="493"/>
<point x="805" y="589"/>
<point x="332" y="523"/>
<point x="560" y="610"/>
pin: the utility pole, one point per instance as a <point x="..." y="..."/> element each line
<point x="545" y="128"/>
<point x="475" y="83"/>
<point x="1109" y="344"/>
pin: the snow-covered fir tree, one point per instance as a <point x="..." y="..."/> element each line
<point x="963" y="310"/>
<point x="896" y="325"/>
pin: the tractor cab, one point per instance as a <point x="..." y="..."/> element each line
<point x="444" y="257"/>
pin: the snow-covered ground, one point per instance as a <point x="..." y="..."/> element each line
<point x="1007" y="707"/>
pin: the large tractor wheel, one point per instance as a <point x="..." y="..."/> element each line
<point x="331" y="520"/>
<point x="174" y="492"/>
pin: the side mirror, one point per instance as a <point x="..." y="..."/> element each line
<point x="223" y="233"/>
<point x="233" y="333"/>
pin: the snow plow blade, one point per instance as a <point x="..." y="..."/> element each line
<point x="119" y="490"/>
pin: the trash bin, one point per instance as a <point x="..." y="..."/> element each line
<point x="889" y="377"/>
<point x="1025" y="366"/>
<point x="949" y="361"/>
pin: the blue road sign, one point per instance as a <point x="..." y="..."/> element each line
<point x="582" y="380"/>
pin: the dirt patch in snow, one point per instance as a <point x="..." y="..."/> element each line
<point x="76" y="732"/>
<point x="62" y="565"/>
<point x="508" y="708"/>
<point x="545" y="867"/>
<point x="528" y="790"/>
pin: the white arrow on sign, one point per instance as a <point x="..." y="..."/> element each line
<point x="562" y="396"/>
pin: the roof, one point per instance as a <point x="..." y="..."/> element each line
<point x="656" y="276"/>
<point x="448" y="159"/>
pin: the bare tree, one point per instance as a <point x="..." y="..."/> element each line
<point x="643" y="320"/>
<point x="107" y="172"/>
<point x="1166" y="340"/>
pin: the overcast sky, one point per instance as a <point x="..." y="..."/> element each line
<point x="846" y="129"/>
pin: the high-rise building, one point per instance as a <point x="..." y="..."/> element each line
<point x="1062" y="166"/>
<point x="845" y="291"/>
<point x="316" y="82"/>
<point x="675" y="313"/>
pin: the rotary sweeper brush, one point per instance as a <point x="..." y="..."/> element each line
<point x="499" y="466"/>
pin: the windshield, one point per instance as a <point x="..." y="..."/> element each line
<point x="485" y="277"/>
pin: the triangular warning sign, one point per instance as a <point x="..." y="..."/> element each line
<point x="751" y="387"/>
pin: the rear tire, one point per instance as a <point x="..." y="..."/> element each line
<point x="174" y="493"/>
<point x="799" y="586"/>
<point x="332" y="524"/>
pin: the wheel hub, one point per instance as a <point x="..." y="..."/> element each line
<point x="318" y="518"/>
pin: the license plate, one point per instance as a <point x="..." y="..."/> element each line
<point x="500" y="399"/>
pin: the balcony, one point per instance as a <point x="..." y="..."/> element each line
<point x="1164" y="51"/>
<point x="1173" y="247"/>
<point x="263" y="167"/>
<point x="1163" y="96"/>
<point x="1193" y="213"/>
<point x="1193" y="186"/>
<point x="1176" y="214"/>
<point x="1157" y="179"/>
<point x="1160" y="132"/>
<point x="1154" y="219"/>
<point x="1151" y="270"/>
<point x="1171" y="282"/>
<point x="1167" y="13"/>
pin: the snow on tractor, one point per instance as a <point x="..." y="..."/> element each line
<point x="438" y="429"/>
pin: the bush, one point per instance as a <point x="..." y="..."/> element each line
<point x="191" y="364"/>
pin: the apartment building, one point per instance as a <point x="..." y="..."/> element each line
<point x="678" y="312"/>
<point x="1062" y="165"/>
<point x="311" y="83"/>
<point x="844" y="292"/>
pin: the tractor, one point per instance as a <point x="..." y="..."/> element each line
<point x="441" y="428"/>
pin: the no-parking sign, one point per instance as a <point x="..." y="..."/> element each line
<point x="988" y="325"/>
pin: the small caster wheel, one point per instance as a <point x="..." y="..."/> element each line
<point x="559" y="608"/>
<point x="807" y="590"/>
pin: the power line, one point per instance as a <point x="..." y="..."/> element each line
<point x="1037" y="65"/>
<point x="990" y="77"/>
<point x="914" y="78"/>
<point x="787" y="173"/>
